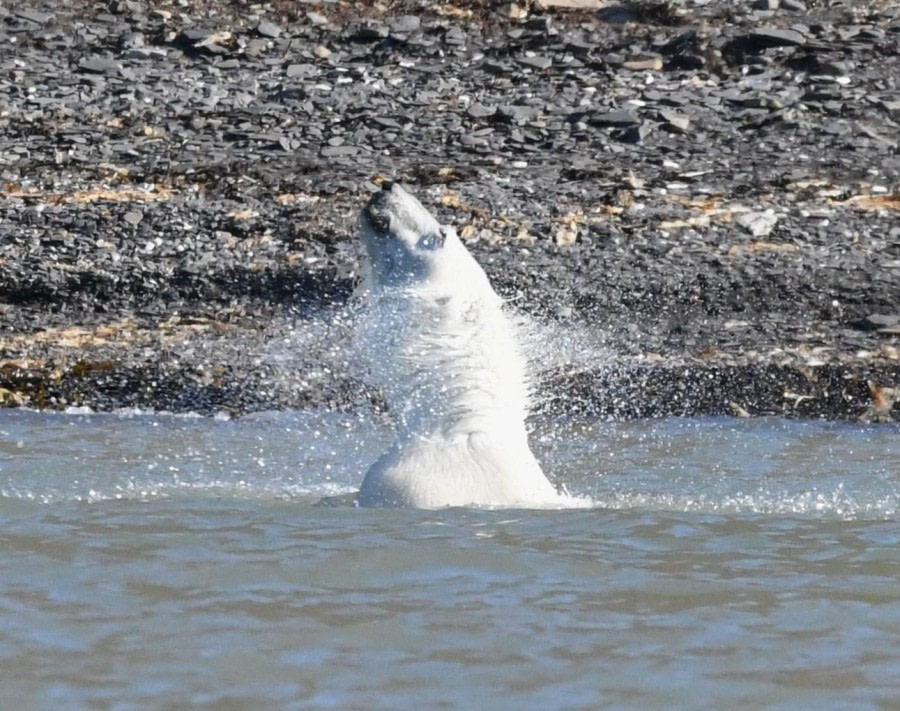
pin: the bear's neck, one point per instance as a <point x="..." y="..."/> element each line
<point x="449" y="366"/>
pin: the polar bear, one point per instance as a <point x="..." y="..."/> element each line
<point x="446" y="357"/>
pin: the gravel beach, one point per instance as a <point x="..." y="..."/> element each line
<point x="695" y="205"/>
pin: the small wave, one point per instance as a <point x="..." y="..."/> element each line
<point x="151" y="491"/>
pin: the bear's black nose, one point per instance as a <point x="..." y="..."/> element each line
<point x="387" y="186"/>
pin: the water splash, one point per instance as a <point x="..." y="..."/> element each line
<point x="768" y="467"/>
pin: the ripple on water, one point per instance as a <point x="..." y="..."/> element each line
<point x="180" y="560"/>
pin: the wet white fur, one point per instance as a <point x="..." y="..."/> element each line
<point x="447" y="359"/>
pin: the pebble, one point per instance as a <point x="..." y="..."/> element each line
<point x="758" y="224"/>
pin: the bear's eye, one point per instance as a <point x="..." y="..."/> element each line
<point x="431" y="241"/>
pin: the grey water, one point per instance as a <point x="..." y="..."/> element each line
<point x="159" y="561"/>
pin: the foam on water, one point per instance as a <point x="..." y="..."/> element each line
<point x="764" y="466"/>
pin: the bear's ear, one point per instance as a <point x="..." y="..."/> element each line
<point x="380" y="222"/>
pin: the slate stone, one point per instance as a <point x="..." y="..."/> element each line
<point x="477" y="110"/>
<point x="387" y="122"/>
<point x="758" y="224"/>
<point x="371" y="32"/>
<point x="38" y="18"/>
<point x="675" y="121"/>
<point x="299" y="70"/>
<point x="517" y="113"/>
<point x="619" y="117"/>
<point x="473" y="140"/>
<point x="257" y="47"/>
<point x="339" y="151"/>
<point x="836" y="128"/>
<point x="834" y="68"/>
<point x="637" y="134"/>
<point x="455" y="36"/>
<point x="579" y="47"/>
<point x="882" y="320"/>
<point x="405" y="24"/>
<point x="536" y="62"/>
<point x="99" y="65"/>
<point x="777" y="37"/>
<point x="876" y="322"/>
<point x="268" y="29"/>
<point x="496" y="68"/>
<point x="195" y="34"/>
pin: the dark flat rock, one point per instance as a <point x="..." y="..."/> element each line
<point x="874" y="322"/>
<point x="99" y="65"/>
<point x="620" y="117"/>
<point x="536" y="62"/>
<point x="777" y="37"/>
<point x="35" y="16"/>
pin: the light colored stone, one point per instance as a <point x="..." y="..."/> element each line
<point x="516" y="12"/>
<point x="572" y="4"/>
<point x="758" y="224"/>
<point x="638" y="64"/>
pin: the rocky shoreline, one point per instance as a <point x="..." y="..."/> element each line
<point x="697" y="204"/>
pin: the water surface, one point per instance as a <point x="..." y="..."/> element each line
<point x="153" y="561"/>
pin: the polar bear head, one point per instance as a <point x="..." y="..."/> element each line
<point x="404" y="244"/>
